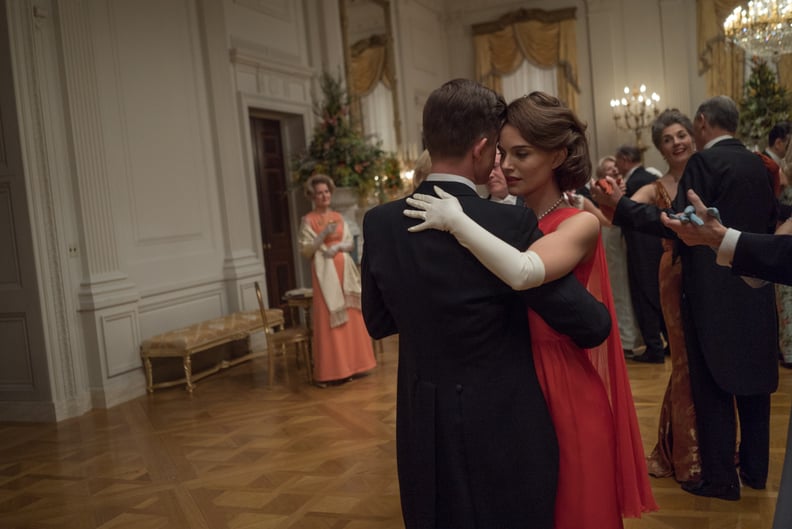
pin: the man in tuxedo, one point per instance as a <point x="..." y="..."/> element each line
<point x="777" y="141"/>
<point x="643" y="261"/>
<point x="730" y="328"/>
<point x="758" y="255"/>
<point x="475" y="443"/>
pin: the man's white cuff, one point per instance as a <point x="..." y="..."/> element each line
<point x="727" y="247"/>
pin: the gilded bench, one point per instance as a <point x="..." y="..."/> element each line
<point x="185" y="342"/>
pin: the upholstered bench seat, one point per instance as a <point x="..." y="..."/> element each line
<point x="198" y="337"/>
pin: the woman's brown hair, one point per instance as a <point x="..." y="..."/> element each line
<point x="547" y="124"/>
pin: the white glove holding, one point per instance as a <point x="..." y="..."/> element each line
<point x="520" y="270"/>
<point x="332" y="250"/>
<point x="437" y="213"/>
<point x="319" y="239"/>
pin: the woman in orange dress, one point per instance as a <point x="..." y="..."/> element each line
<point x="341" y="345"/>
<point x="602" y="469"/>
<point x="677" y="451"/>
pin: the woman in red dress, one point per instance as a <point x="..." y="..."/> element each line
<point x="602" y="469"/>
<point x="341" y="344"/>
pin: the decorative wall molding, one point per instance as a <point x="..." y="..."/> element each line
<point x="10" y="267"/>
<point x="120" y="339"/>
<point x="277" y="82"/>
<point x="164" y="161"/>
<point x="17" y="373"/>
<point x="3" y="153"/>
<point x="245" y="51"/>
<point x="279" y="9"/>
<point x="101" y="252"/>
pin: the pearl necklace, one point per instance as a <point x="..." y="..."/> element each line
<point x="323" y="217"/>
<point x="557" y="203"/>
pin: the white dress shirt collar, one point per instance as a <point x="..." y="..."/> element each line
<point x="508" y="199"/>
<point x="773" y="156"/>
<point x="445" y="177"/>
<point x="716" y="140"/>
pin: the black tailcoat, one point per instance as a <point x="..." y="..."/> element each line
<point x="643" y="261"/>
<point x="767" y="257"/>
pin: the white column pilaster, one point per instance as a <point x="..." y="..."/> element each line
<point x="243" y="256"/>
<point x="108" y="300"/>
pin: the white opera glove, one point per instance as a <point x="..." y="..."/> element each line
<point x="331" y="250"/>
<point x="319" y="239"/>
<point x="436" y="213"/>
<point x="519" y="270"/>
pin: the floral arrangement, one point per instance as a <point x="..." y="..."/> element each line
<point x="337" y="149"/>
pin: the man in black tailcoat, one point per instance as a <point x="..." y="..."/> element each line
<point x="476" y="447"/>
<point x="643" y="261"/>
<point x="730" y="328"/>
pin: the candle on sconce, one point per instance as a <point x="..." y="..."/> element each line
<point x="635" y="111"/>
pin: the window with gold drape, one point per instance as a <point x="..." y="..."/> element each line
<point x="722" y="63"/>
<point x="371" y="102"/>
<point x="545" y="38"/>
<point x="369" y="65"/>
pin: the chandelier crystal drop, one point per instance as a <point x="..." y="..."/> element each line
<point x="762" y="27"/>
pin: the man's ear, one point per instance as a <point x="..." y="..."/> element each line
<point x="479" y="146"/>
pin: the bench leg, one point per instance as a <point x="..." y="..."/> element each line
<point x="149" y="375"/>
<point x="188" y="373"/>
<point x="271" y="364"/>
<point x="306" y="353"/>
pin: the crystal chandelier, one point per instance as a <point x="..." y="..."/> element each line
<point x="762" y="27"/>
<point x="635" y="111"/>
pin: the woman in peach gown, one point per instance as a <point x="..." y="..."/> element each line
<point x="602" y="469"/>
<point x="341" y="345"/>
<point x="676" y="452"/>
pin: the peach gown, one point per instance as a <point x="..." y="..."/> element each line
<point x="346" y="350"/>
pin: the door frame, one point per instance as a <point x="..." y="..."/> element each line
<point x="295" y="121"/>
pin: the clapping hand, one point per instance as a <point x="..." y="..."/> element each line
<point x="330" y="228"/>
<point x="436" y="213"/>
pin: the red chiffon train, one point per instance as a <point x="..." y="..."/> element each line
<point x="602" y="469"/>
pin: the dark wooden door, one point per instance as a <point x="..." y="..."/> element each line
<point x="273" y="201"/>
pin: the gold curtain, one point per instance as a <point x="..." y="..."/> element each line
<point x="785" y="71"/>
<point x="545" y="38"/>
<point x="369" y="65"/>
<point x="722" y="63"/>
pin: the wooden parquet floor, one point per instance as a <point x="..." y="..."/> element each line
<point x="236" y="455"/>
